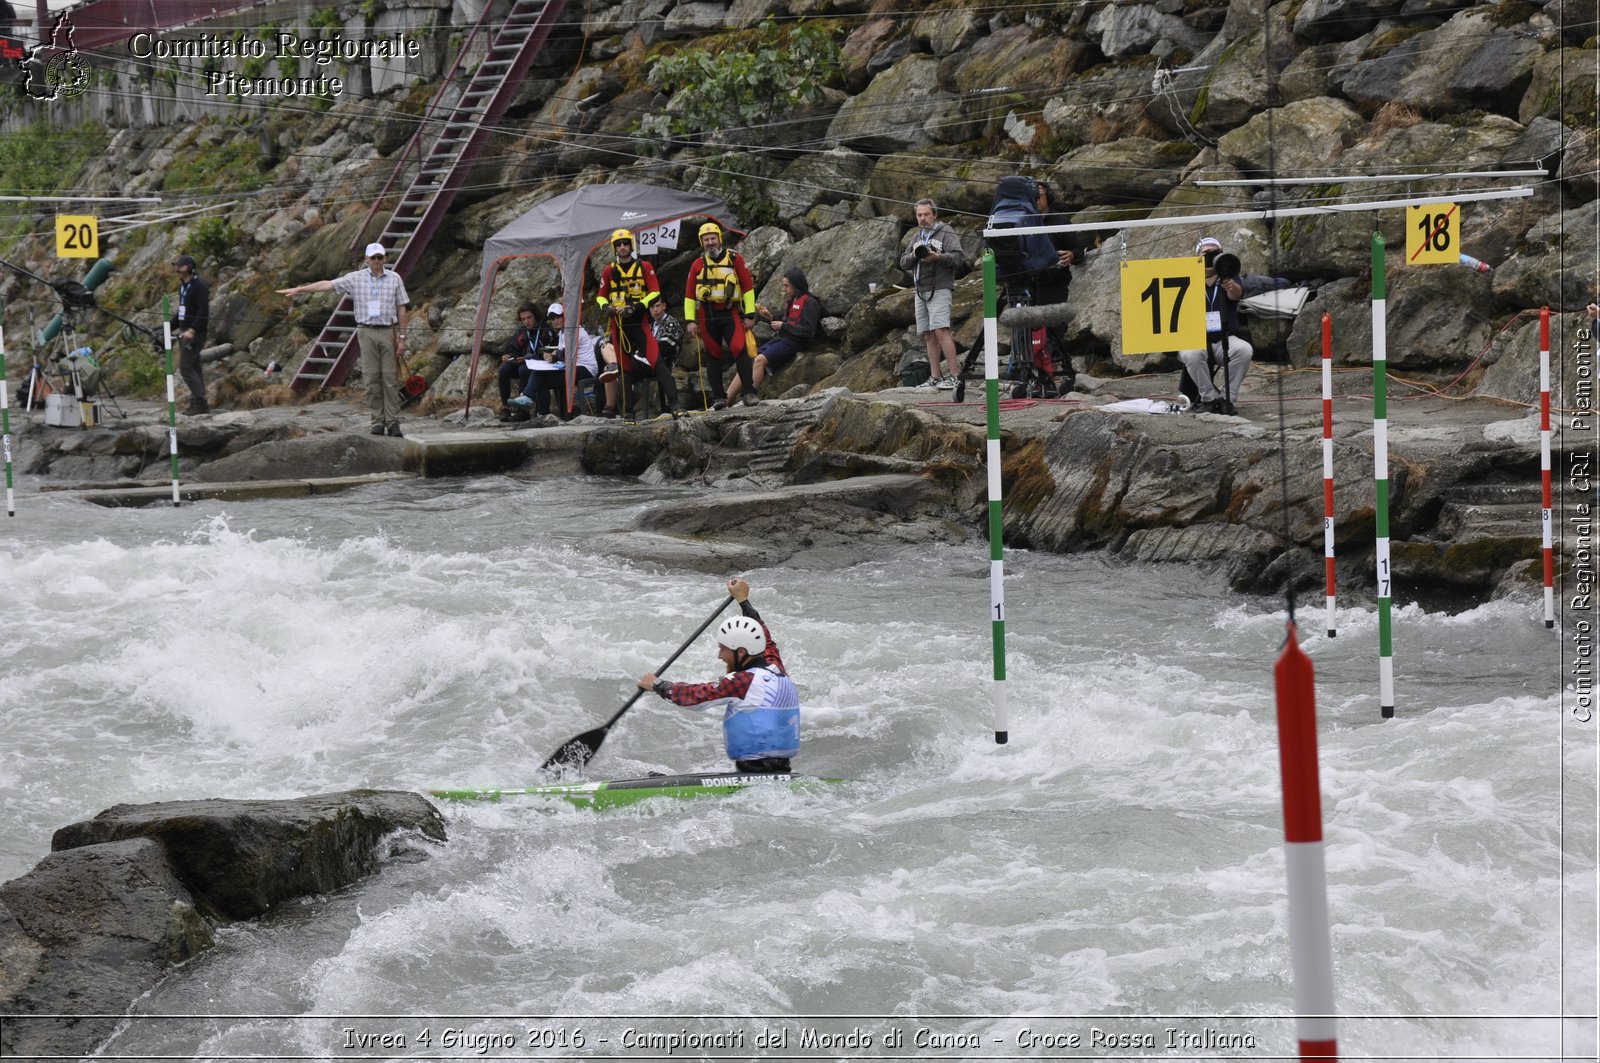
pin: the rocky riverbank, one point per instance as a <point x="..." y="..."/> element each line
<point x="126" y="895"/>
<point x="837" y="471"/>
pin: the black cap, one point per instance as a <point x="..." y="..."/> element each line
<point x="186" y="260"/>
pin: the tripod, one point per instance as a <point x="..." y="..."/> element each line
<point x="1037" y="353"/>
<point x="74" y="297"/>
<point x="82" y="374"/>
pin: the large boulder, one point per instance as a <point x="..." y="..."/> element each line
<point x="1143" y="29"/>
<point x="762" y="250"/>
<point x="949" y="30"/>
<point x="1307" y="135"/>
<point x="1097" y="105"/>
<point x="1580" y="164"/>
<point x="892" y="113"/>
<point x="1234" y="88"/>
<point x="1130" y="170"/>
<point x="309" y="457"/>
<point x="1556" y="268"/>
<point x="956" y="185"/>
<point x="839" y="262"/>
<point x="535" y="280"/>
<point x="866" y="43"/>
<point x="1438" y="317"/>
<point x="815" y="178"/>
<point x="1562" y="86"/>
<point x="86" y="932"/>
<point x="1341" y="20"/>
<point x="239" y="858"/>
<point x="139" y="888"/>
<point x="1466" y="64"/>
<point x="1512" y="371"/>
<point x="1340" y="244"/>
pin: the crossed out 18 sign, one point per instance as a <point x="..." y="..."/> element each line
<point x="1163" y="305"/>
<point x="1433" y="234"/>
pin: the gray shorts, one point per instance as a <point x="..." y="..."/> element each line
<point x="933" y="310"/>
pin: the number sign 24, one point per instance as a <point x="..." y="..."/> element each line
<point x="1163" y="305"/>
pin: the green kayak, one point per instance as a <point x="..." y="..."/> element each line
<point x="614" y="793"/>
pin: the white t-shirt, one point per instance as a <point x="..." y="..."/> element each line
<point x="586" y="357"/>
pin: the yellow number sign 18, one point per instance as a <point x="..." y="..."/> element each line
<point x="1163" y="305"/>
<point x="1433" y="234"/>
<point x="77" y="236"/>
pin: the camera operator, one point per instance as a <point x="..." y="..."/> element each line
<point x="1225" y="286"/>
<point x="1053" y="284"/>
<point x="933" y="257"/>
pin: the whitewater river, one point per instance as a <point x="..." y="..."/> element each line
<point x="1111" y="883"/>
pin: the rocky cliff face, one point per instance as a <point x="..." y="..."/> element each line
<point x="1123" y="107"/>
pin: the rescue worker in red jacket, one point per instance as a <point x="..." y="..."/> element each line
<point x="627" y="288"/>
<point x="722" y="293"/>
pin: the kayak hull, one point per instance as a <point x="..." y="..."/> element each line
<point x="614" y="793"/>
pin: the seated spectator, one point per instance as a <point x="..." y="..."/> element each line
<point x="547" y="380"/>
<point x="1225" y="286"/>
<point x="592" y="354"/>
<point x="794" y="329"/>
<point x="527" y="342"/>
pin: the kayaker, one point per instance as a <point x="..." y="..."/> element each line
<point x="761" y="722"/>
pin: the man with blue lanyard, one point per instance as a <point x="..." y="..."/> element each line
<point x="382" y="316"/>
<point x="761" y="719"/>
<point x="194" y="314"/>
<point x="1225" y="287"/>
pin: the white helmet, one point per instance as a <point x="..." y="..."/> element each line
<point x="742" y="633"/>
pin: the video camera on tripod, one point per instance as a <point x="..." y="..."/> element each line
<point x="75" y="364"/>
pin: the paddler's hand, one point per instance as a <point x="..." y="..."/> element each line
<point x="738" y="589"/>
<point x="648" y="682"/>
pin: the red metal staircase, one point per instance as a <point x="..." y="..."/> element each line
<point x="449" y="137"/>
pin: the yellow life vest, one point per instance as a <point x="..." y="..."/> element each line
<point x="718" y="281"/>
<point x="627" y="285"/>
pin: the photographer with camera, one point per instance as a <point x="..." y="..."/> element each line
<point x="1226" y="285"/>
<point x="933" y="256"/>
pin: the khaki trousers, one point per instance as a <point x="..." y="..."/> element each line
<point x="382" y="374"/>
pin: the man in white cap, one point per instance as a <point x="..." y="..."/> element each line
<point x="382" y="315"/>
<point x="1223" y="345"/>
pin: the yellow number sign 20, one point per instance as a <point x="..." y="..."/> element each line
<point x="77" y="236"/>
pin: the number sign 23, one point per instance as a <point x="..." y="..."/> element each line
<point x="1163" y="305"/>
<point x="77" y="236"/>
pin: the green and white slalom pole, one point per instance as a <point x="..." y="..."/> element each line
<point x="172" y="394"/>
<point x="5" y="425"/>
<point x="1380" y="475"/>
<point x="997" y="565"/>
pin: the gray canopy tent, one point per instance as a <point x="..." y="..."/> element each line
<point x="570" y="228"/>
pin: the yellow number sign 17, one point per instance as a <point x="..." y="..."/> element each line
<point x="1433" y="234"/>
<point x="77" y="236"/>
<point x="1163" y="305"/>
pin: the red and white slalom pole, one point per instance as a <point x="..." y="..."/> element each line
<point x="1310" y="947"/>
<point x="1546" y="538"/>
<point x="1327" y="465"/>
